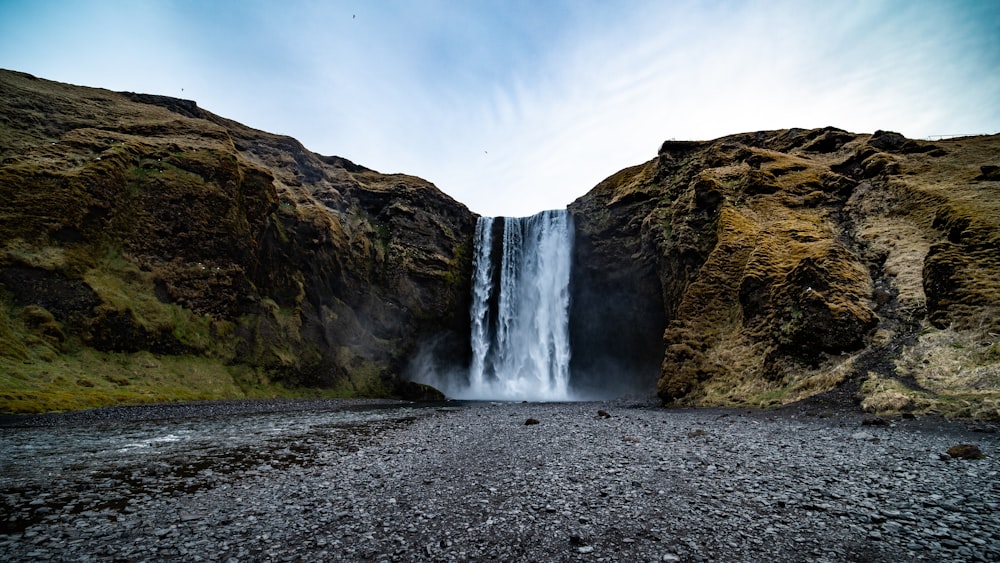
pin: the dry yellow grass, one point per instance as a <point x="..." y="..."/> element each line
<point x="951" y="372"/>
<point x="904" y="246"/>
<point x="885" y="395"/>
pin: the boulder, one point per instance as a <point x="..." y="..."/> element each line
<point x="965" y="451"/>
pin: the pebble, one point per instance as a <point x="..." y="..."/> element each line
<point x="470" y="482"/>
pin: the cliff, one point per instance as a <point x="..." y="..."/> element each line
<point x="150" y="250"/>
<point x="796" y="263"/>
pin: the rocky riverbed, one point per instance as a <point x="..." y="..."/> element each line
<point x="332" y="480"/>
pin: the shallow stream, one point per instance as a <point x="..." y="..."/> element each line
<point x="89" y="466"/>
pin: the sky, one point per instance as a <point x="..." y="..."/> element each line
<point x="512" y="107"/>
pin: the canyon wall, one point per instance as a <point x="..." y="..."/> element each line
<point x="786" y="264"/>
<point x="137" y="223"/>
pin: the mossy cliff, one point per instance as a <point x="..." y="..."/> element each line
<point x="785" y="264"/>
<point x="150" y="250"/>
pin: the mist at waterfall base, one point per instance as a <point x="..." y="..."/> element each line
<point x="520" y="332"/>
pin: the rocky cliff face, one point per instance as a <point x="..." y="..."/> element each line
<point x="134" y="223"/>
<point x="148" y="245"/>
<point x="785" y="263"/>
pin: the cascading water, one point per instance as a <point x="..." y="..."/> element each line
<point x="520" y="309"/>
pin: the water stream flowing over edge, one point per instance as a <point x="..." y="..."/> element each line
<point x="520" y="309"/>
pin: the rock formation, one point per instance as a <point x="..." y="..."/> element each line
<point x="785" y="263"/>
<point x="756" y="269"/>
<point x="138" y="223"/>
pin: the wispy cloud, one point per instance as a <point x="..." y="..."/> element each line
<point x="514" y="107"/>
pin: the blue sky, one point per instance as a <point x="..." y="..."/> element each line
<point x="517" y="106"/>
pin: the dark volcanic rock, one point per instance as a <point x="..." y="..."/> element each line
<point x="989" y="173"/>
<point x="284" y="481"/>
<point x="412" y="391"/>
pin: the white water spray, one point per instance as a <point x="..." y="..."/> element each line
<point x="520" y="315"/>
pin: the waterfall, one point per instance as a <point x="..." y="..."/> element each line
<point x="520" y="308"/>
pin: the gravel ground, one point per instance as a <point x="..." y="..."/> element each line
<point x="315" y="481"/>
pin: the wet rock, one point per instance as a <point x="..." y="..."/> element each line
<point x="413" y="391"/>
<point x="874" y="421"/>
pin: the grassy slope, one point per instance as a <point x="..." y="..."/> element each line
<point x="40" y="372"/>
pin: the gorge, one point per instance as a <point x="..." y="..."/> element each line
<point x="153" y="251"/>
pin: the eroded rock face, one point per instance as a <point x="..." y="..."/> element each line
<point x="782" y="263"/>
<point x="754" y="269"/>
<point x="145" y="223"/>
